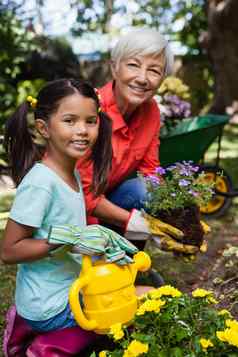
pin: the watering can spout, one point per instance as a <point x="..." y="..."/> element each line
<point x="142" y="262"/>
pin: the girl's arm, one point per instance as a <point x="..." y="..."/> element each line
<point x="111" y="213"/>
<point x="18" y="246"/>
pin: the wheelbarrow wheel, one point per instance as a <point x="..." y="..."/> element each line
<point x="218" y="205"/>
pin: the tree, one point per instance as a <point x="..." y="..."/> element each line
<point x="16" y="42"/>
<point x="220" y="41"/>
<point x="208" y="30"/>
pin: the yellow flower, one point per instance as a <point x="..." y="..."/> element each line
<point x="174" y="85"/>
<point x="224" y="312"/>
<point x="135" y="348"/>
<point x="201" y="293"/>
<point x="212" y="300"/>
<point x="103" y="354"/>
<point x="205" y="343"/>
<point x="116" y="331"/>
<point x="142" y="297"/>
<point x="221" y="335"/>
<point x="233" y="324"/>
<point x="150" y="305"/>
<point x="166" y="290"/>
<point x="228" y="335"/>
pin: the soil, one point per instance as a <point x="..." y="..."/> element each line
<point x="179" y="218"/>
<point x="215" y="270"/>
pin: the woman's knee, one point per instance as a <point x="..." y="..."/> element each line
<point x="130" y="194"/>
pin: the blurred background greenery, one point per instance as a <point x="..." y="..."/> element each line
<point x="202" y="33"/>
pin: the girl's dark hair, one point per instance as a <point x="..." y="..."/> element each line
<point x="19" y="141"/>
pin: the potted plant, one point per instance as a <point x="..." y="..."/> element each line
<point x="174" y="196"/>
<point x="169" y="323"/>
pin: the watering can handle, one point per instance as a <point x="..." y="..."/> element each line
<point x="76" y="307"/>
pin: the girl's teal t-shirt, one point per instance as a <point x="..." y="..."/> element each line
<point x="43" y="199"/>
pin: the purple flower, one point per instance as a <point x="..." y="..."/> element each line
<point x="184" y="182"/>
<point x="186" y="168"/>
<point x="193" y="193"/>
<point x="160" y="170"/>
<point x="153" y="180"/>
<point x="175" y="107"/>
<point x="171" y="168"/>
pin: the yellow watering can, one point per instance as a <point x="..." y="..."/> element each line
<point x="108" y="291"/>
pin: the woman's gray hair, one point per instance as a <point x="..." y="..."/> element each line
<point x="143" y="41"/>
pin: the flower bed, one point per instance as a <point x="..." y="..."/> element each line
<point x="169" y="323"/>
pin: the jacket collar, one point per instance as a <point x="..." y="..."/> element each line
<point x="109" y="105"/>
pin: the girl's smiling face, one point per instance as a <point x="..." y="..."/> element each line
<point x="73" y="128"/>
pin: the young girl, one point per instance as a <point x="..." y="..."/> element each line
<point x="68" y="116"/>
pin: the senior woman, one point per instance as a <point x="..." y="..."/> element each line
<point x="139" y="62"/>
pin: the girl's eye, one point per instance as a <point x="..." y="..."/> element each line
<point x="68" y="120"/>
<point x="92" y="121"/>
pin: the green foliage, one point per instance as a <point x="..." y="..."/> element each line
<point x="27" y="87"/>
<point x="177" y="186"/>
<point x="171" y="324"/>
<point x="184" y="21"/>
<point x="16" y="42"/>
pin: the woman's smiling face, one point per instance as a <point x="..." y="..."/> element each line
<point x="137" y="79"/>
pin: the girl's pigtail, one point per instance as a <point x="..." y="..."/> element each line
<point x="102" y="154"/>
<point x="18" y="141"/>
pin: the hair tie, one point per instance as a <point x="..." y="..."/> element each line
<point x="33" y="101"/>
<point x="99" y="99"/>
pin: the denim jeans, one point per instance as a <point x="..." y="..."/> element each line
<point x="62" y="320"/>
<point x="130" y="194"/>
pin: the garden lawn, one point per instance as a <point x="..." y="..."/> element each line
<point x="7" y="272"/>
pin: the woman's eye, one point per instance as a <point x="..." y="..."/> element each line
<point x="132" y="64"/>
<point x="155" y="71"/>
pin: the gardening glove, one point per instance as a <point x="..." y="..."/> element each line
<point x="94" y="240"/>
<point x="142" y="226"/>
<point x="188" y="251"/>
<point x="202" y="249"/>
<point x="206" y="229"/>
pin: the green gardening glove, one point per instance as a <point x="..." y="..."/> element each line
<point x="93" y="240"/>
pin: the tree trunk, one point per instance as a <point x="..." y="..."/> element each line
<point x="222" y="47"/>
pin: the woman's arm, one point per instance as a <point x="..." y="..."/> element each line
<point x="18" y="246"/>
<point x="110" y="213"/>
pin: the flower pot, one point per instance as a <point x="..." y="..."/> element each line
<point x="186" y="219"/>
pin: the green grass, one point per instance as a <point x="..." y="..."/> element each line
<point x="228" y="154"/>
<point x="7" y="272"/>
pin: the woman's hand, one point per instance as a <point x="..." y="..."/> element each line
<point x="142" y="226"/>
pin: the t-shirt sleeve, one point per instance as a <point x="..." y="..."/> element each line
<point x="31" y="205"/>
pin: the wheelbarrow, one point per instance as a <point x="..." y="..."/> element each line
<point x="190" y="140"/>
